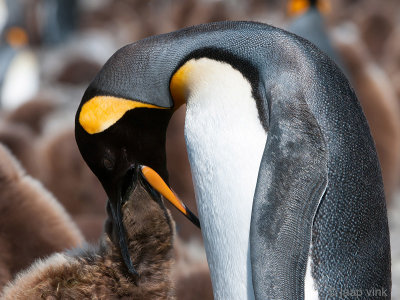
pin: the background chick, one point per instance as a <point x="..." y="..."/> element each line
<point x="32" y="223"/>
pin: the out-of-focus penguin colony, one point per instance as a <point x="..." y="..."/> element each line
<point x="51" y="49"/>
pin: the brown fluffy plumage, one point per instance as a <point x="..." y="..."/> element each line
<point x="68" y="177"/>
<point x="32" y="223"/>
<point x="191" y="273"/>
<point x="100" y="273"/>
<point x="32" y="114"/>
<point x="55" y="160"/>
<point x="20" y="140"/>
<point x="21" y="129"/>
<point x="194" y="284"/>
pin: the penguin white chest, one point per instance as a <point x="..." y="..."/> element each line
<point x="225" y="142"/>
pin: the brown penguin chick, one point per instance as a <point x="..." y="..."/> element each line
<point x="32" y="114"/>
<point x="32" y="223"/>
<point x="21" y="141"/>
<point x="378" y="100"/>
<point x="20" y="130"/>
<point x="79" y="70"/>
<point x="68" y="177"/>
<point x="55" y="160"/>
<point x="91" y="225"/>
<point x="101" y="273"/>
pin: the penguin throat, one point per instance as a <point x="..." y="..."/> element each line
<point x="225" y="142"/>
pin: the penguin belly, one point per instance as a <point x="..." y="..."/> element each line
<point x="225" y="142"/>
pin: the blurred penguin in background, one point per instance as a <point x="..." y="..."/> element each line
<point x="308" y="22"/>
<point x="59" y="20"/>
<point x="18" y="64"/>
<point x="372" y="87"/>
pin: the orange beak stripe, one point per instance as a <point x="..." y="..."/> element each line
<point x="160" y="186"/>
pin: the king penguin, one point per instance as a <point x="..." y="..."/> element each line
<point x="282" y="159"/>
<point x="308" y="22"/>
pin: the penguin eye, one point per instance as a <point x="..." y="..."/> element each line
<point x="108" y="162"/>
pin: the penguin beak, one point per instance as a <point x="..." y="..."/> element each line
<point x="157" y="183"/>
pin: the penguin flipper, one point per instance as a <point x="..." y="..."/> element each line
<point x="292" y="180"/>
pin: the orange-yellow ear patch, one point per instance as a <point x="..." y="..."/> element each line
<point x="296" y="7"/>
<point x="17" y="37"/>
<point x="179" y="83"/>
<point x="101" y="112"/>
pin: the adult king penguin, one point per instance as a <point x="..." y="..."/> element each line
<point x="308" y="22"/>
<point x="282" y="158"/>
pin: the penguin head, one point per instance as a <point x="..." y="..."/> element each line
<point x="122" y="119"/>
<point x="115" y="134"/>
<point x="120" y="129"/>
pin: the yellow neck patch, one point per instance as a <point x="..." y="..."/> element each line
<point x="101" y="112"/>
<point x="179" y="83"/>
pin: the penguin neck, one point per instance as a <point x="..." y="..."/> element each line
<point x="225" y="142"/>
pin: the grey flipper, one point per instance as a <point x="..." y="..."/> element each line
<point x="292" y="180"/>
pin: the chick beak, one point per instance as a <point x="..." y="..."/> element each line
<point x="158" y="184"/>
